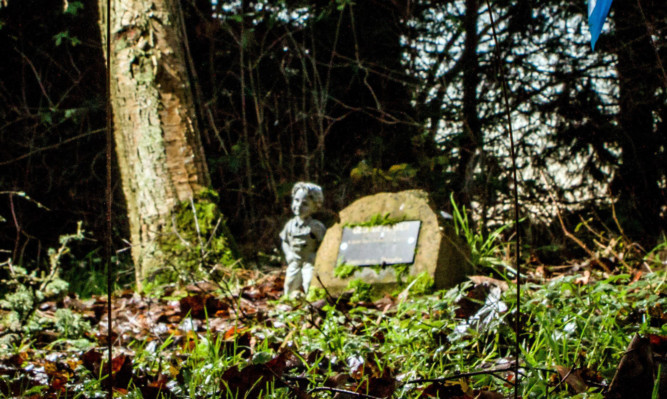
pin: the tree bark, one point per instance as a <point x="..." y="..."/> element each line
<point x="158" y="145"/>
<point x="639" y="172"/>
<point x="471" y="137"/>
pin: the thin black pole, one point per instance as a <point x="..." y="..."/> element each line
<point x="515" y="193"/>
<point x="108" y="197"/>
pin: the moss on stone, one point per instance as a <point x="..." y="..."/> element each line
<point x="378" y="219"/>
<point x="345" y="270"/>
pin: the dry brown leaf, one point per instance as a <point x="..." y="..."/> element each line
<point x="572" y="378"/>
<point x="489" y="280"/>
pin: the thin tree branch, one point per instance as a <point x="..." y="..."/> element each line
<point x="51" y="147"/>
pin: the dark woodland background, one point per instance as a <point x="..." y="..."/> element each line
<point x="360" y="97"/>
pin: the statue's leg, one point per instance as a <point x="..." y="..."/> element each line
<point x="306" y="275"/>
<point x="293" y="279"/>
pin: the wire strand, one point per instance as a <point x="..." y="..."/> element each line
<point x="108" y="197"/>
<point x="515" y="193"/>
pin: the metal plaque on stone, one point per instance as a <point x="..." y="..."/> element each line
<point x="379" y="245"/>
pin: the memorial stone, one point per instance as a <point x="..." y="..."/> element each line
<point x="410" y="234"/>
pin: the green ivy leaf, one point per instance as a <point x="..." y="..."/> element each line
<point x="65" y="36"/>
<point x="74" y="7"/>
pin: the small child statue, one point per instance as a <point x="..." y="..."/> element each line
<point x="301" y="237"/>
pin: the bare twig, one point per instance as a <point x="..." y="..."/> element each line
<point x="562" y="380"/>
<point x="650" y="32"/>
<point x="332" y="301"/>
<point x="567" y="233"/>
<point x="50" y="147"/>
<point x="37" y="77"/>
<point x="318" y="328"/>
<point x="455" y="376"/>
<point x="330" y="298"/>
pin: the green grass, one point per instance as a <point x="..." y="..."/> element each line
<point x="564" y="324"/>
<point x="484" y="249"/>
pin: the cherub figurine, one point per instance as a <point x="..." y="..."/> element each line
<point x="301" y="237"/>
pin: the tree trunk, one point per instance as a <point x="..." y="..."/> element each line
<point x="471" y="140"/>
<point x="160" y="155"/>
<point x="638" y="177"/>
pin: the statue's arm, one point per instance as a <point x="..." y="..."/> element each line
<point x="319" y="229"/>
<point x="290" y="255"/>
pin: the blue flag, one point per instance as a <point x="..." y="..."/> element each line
<point x="597" y="13"/>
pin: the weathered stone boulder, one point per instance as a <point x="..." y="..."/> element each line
<point x="439" y="252"/>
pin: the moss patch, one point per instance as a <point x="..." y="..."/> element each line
<point x="378" y="219"/>
<point x="345" y="270"/>
<point x="199" y="240"/>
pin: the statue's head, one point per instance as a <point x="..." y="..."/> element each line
<point x="306" y="199"/>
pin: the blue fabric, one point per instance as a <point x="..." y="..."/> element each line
<point x="597" y="13"/>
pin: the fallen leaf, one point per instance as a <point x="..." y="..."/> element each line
<point x="449" y="390"/>
<point x="234" y="332"/>
<point x="490" y="281"/>
<point x="338" y="380"/>
<point x="370" y="378"/>
<point x="156" y="389"/>
<point x="121" y="371"/>
<point x="472" y="302"/>
<point x="583" y="279"/>
<point x="658" y="344"/>
<point x="382" y="387"/>
<point x="247" y="382"/>
<point x="634" y="375"/>
<point x="487" y="395"/>
<point x="200" y="306"/>
<point x="58" y="383"/>
<point x="18" y="359"/>
<point x="572" y="378"/>
<point x="385" y="303"/>
<point x="92" y="360"/>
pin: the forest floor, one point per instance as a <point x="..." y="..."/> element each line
<point x="207" y="341"/>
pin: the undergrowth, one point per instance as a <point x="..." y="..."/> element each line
<point x="420" y="337"/>
<point x="396" y="345"/>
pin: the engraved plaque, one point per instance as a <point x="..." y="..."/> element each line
<point x="379" y="245"/>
